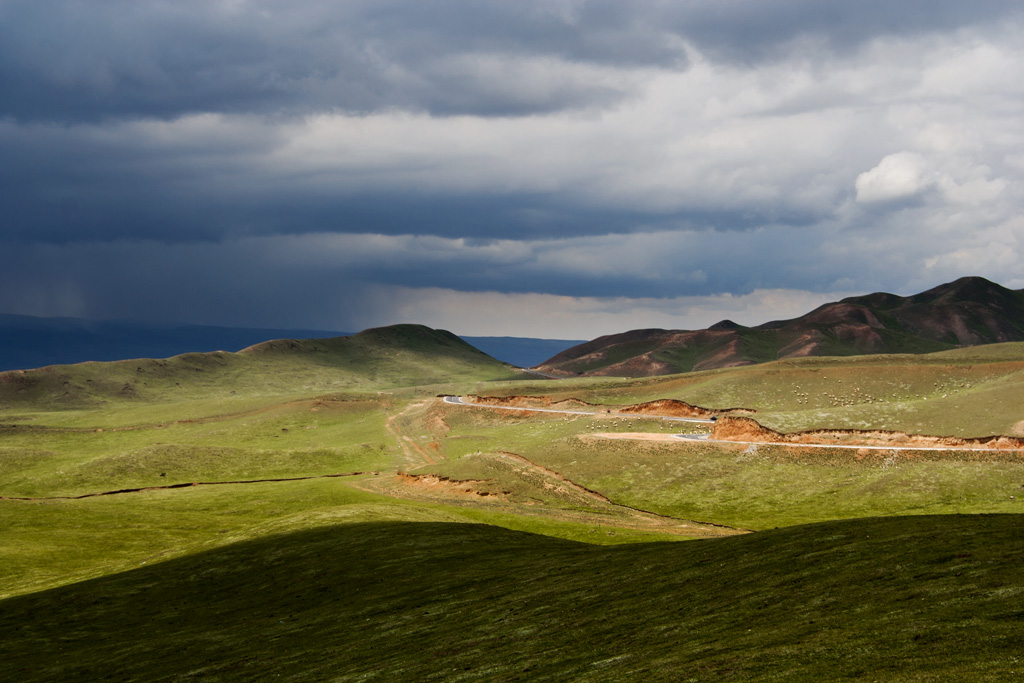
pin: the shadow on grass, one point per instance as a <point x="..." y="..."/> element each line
<point x="919" y="598"/>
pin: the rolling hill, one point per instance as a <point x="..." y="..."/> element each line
<point x="905" y="599"/>
<point x="314" y="510"/>
<point x="32" y="342"/>
<point x="968" y="312"/>
<point x="385" y="357"/>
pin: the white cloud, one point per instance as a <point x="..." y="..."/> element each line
<point x="897" y="176"/>
<point x="563" y="317"/>
<point x="973" y="187"/>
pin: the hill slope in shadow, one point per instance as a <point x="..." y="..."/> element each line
<point x="909" y="599"/>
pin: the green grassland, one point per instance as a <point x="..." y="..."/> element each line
<point x="750" y="487"/>
<point x="222" y="489"/>
<point x="969" y="392"/>
<point x="764" y="486"/>
<point x="920" y="599"/>
<point x="200" y="384"/>
<point x="319" y="436"/>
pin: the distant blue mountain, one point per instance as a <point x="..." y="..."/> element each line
<point x="523" y="352"/>
<point x="29" y="342"/>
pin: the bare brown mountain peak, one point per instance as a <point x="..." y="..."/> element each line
<point x="972" y="288"/>
<point x="964" y="288"/>
<point x="966" y="312"/>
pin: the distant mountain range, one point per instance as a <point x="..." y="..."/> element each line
<point x="30" y="342"/>
<point x="522" y="352"/>
<point x="967" y="312"/>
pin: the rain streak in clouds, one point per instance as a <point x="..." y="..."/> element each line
<point x="552" y="169"/>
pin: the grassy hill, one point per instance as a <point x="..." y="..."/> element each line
<point x="373" y="360"/>
<point x="963" y="392"/>
<point x="919" y="599"/>
<point x="33" y="342"/>
<point x="968" y="312"/>
<point x="287" y="434"/>
<point x="236" y="516"/>
<point x="966" y="392"/>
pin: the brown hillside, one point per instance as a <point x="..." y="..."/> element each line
<point x="967" y="312"/>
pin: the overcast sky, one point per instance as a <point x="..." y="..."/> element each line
<point x="560" y="168"/>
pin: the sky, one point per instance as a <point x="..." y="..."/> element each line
<point x="558" y="169"/>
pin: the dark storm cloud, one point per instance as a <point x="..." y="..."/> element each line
<point x="202" y="181"/>
<point x="750" y="30"/>
<point x="315" y="277"/>
<point x="71" y="193"/>
<point x="269" y="162"/>
<point x="65" y="60"/>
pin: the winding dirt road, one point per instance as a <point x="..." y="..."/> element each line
<point x="458" y="401"/>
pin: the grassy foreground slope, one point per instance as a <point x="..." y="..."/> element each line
<point x="919" y="599"/>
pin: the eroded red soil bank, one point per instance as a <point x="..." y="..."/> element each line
<point x="665" y="407"/>
<point x="747" y="429"/>
<point x="670" y="407"/>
